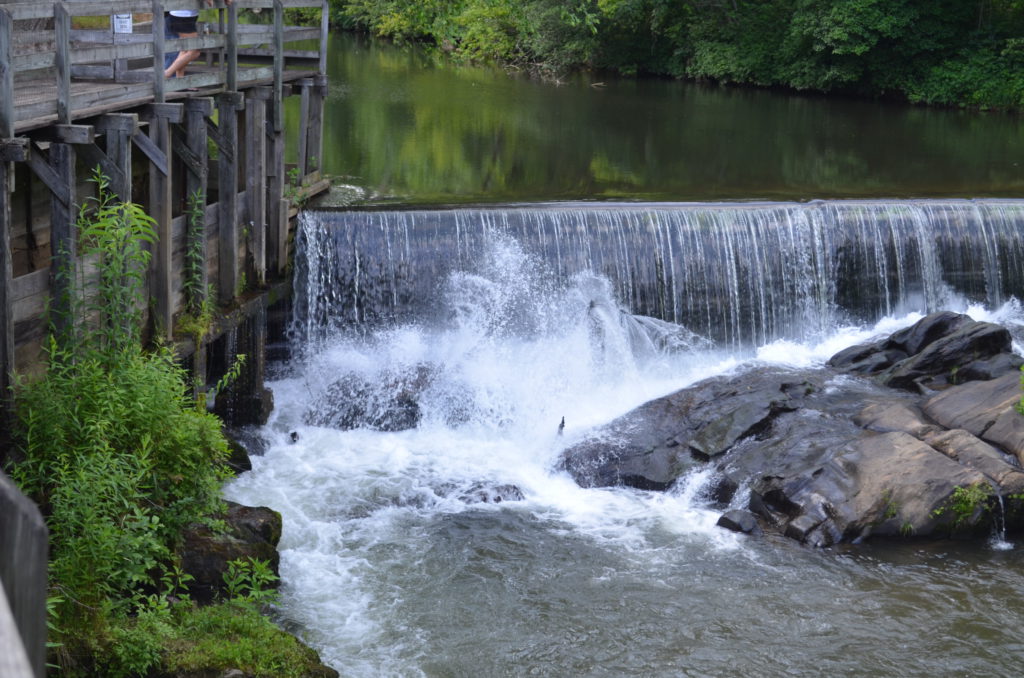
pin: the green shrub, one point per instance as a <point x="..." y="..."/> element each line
<point x="112" y="448"/>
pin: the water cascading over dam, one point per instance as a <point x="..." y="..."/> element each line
<point x="447" y="358"/>
<point x="739" y="274"/>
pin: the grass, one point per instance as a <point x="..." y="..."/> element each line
<point x="229" y="635"/>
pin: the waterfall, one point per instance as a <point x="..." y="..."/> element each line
<point x="740" y="274"/>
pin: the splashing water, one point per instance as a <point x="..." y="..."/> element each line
<point x="456" y="548"/>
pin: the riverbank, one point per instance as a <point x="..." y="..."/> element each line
<point x="944" y="54"/>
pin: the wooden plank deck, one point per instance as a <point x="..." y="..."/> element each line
<point x="35" y="101"/>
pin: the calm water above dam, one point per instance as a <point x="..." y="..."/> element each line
<point x="397" y="561"/>
<point x="408" y="126"/>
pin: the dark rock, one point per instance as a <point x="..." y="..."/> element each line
<point x="389" y="402"/>
<point x="866" y="358"/>
<point x="252" y="533"/>
<point x="939" y="350"/>
<point x="986" y="409"/>
<point x="738" y="520"/>
<point x="245" y="408"/>
<point x="992" y="368"/>
<point x="931" y="328"/>
<point x="238" y="458"/>
<point x="255" y="524"/>
<point x="721" y="489"/>
<point x="855" y="355"/>
<point x="888" y="484"/>
<point x="941" y="361"/>
<point x="887" y="417"/>
<point x="650" y="447"/>
<point x="974" y="453"/>
<point x="491" y="494"/>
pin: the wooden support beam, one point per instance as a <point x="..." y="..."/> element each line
<point x="14" y="150"/>
<point x="194" y="162"/>
<point x="306" y="86"/>
<point x="232" y="48"/>
<point x="120" y="122"/>
<point x="315" y="138"/>
<point x="325" y="13"/>
<point x="160" y="211"/>
<point x="118" y="130"/>
<point x="157" y="157"/>
<point x="158" y="52"/>
<point x="92" y="156"/>
<point x="66" y="134"/>
<point x="63" y="243"/>
<point x="196" y="113"/>
<point x="277" y="206"/>
<point x="46" y="170"/>
<point x="227" y="212"/>
<point x="278" y="118"/>
<point x="174" y="113"/>
<point x="62" y="28"/>
<point x="6" y="75"/>
<point x="255" y="179"/>
<point x="6" y="301"/>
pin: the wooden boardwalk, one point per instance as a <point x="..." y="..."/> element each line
<point x="204" y="155"/>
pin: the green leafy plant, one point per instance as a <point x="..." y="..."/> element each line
<point x="193" y="284"/>
<point x="964" y="502"/>
<point x="250" y="580"/>
<point x="110" y="445"/>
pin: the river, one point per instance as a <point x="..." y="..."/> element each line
<point x="397" y="557"/>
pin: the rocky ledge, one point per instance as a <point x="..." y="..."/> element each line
<point x="251" y="532"/>
<point x="916" y="435"/>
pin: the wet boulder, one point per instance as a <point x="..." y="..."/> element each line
<point x="651" y="446"/>
<point x="739" y="520"/>
<point x="483" y="493"/>
<point x="949" y="359"/>
<point x="887" y="484"/>
<point x="253" y="532"/>
<point x="986" y="409"/>
<point x="385" y="402"/>
<point x="939" y="350"/>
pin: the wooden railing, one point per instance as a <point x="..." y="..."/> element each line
<point x="23" y="548"/>
<point x="38" y="67"/>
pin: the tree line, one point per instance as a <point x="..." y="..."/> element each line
<point x="943" y="52"/>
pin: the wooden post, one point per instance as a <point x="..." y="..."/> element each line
<point x="305" y="85"/>
<point x="160" y="209"/>
<point x="232" y="75"/>
<point x="255" y="177"/>
<point x="315" y="138"/>
<point x="63" y="243"/>
<point x="118" y="130"/>
<point x="325" y="11"/>
<point x="62" y="28"/>
<point x="196" y="113"/>
<point x="277" y="207"/>
<point x="278" y="119"/>
<point x="6" y="76"/>
<point x="6" y="177"/>
<point x="158" y="51"/>
<point x="6" y="303"/>
<point x="227" y="206"/>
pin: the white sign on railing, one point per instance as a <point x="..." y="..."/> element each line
<point x="122" y="23"/>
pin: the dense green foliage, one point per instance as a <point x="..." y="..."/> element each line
<point x="120" y="459"/>
<point x="965" y="52"/>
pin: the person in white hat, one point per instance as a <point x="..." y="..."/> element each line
<point x="182" y="23"/>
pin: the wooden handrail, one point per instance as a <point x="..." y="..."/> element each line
<point x="70" y="51"/>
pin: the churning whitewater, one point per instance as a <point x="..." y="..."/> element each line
<point x="457" y="548"/>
